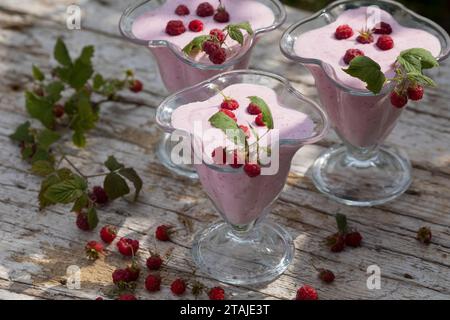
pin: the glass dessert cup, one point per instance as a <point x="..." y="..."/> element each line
<point x="178" y="71"/>
<point x="361" y="172"/>
<point x="245" y="248"/>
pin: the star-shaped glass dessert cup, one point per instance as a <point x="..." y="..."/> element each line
<point x="361" y="171"/>
<point x="179" y="70"/>
<point x="245" y="248"/>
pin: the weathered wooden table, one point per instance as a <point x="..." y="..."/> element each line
<point x="37" y="247"/>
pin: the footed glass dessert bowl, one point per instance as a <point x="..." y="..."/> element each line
<point x="145" y="24"/>
<point x="361" y="172"/>
<point x="244" y="248"/>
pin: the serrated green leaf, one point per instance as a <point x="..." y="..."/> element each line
<point x="46" y="138"/>
<point x="80" y="203"/>
<point x="196" y="44"/>
<point x="265" y="110"/>
<point x="236" y="34"/>
<point x="64" y="174"/>
<point x="421" y="79"/>
<point x="244" y="26"/>
<point x="37" y="73"/>
<point x="62" y="54"/>
<point x="53" y="91"/>
<point x="79" y="138"/>
<point x="368" y="71"/>
<point x="410" y="63"/>
<point x="221" y="121"/>
<point x="27" y="152"/>
<point x="82" y="68"/>
<point x="112" y="164"/>
<point x="115" y="186"/>
<point x="131" y="175"/>
<point x="92" y="218"/>
<point x="22" y="133"/>
<point x="45" y="184"/>
<point x="425" y="57"/>
<point x="42" y="168"/>
<point x="41" y="154"/>
<point x="66" y="191"/>
<point x="341" y="221"/>
<point x="98" y="82"/>
<point x="39" y="108"/>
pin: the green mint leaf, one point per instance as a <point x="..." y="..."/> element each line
<point x="416" y="77"/>
<point x="62" y="54"/>
<point x="53" y="91"/>
<point x="66" y="191"/>
<point x="131" y="175"/>
<point x="98" y="82"/>
<point x="425" y="58"/>
<point x="37" y="73"/>
<point x="267" y="114"/>
<point x="112" y="164"/>
<point x="196" y="44"/>
<point x="42" y="168"/>
<point x="46" y="138"/>
<point x="368" y="71"/>
<point x="236" y="34"/>
<point x="80" y="203"/>
<point x="115" y="186"/>
<point x="341" y="221"/>
<point x="39" y="108"/>
<point x="92" y="218"/>
<point x="22" y="133"/>
<point x="221" y="121"/>
<point x="245" y="26"/>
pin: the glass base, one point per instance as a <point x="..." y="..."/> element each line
<point x="362" y="183"/>
<point x="258" y="257"/>
<point x="163" y="152"/>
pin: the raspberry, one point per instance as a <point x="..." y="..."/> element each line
<point x="326" y="276"/>
<point x="175" y="28"/>
<point x="259" y="120"/>
<point x="83" y="222"/>
<point x="120" y="278"/>
<point x="385" y="42"/>
<point x="222" y="15"/>
<point x="382" y="28"/>
<point x="307" y="293"/>
<point x="253" y="109"/>
<point x="365" y="36"/>
<point x="229" y="104"/>
<point x="219" y="56"/>
<point x="210" y="46"/>
<point x="343" y="32"/>
<point x="154" y="262"/>
<point x="108" y="234"/>
<point x="218" y="35"/>
<point x="216" y="293"/>
<point x="182" y="10"/>
<point x="93" y="249"/>
<point x="353" y="239"/>
<point x="133" y="272"/>
<point x="252" y="170"/>
<point x="162" y="233"/>
<point x="350" y="54"/>
<point x="98" y="195"/>
<point x="153" y="283"/>
<point x="196" y="26"/>
<point x="178" y="287"/>
<point x="229" y="113"/>
<point x="128" y="247"/>
<point x="246" y="130"/>
<point x="136" y="86"/>
<point x="415" y="92"/>
<point x="424" y="235"/>
<point x="336" y="242"/>
<point x="205" y="9"/>
<point x="398" y="100"/>
<point x="127" y="296"/>
<point x="58" y="110"/>
<point x="99" y="298"/>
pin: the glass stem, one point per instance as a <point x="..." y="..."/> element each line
<point x="363" y="156"/>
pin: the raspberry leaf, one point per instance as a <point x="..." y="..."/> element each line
<point x="80" y="203"/>
<point x="92" y="218"/>
<point x="221" y="121"/>
<point x="112" y="164"/>
<point x="66" y="191"/>
<point x="62" y="54"/>
<point x="42" y="168"/>
<point x="22" y="133"/>
<point x="46" y="138"/>
<point x="416" y="77"/>
<point x="368" y="71"/>
<point x="37" y="73"/>
<point x="40" y="108"/>
<point x="53" y="91"/>
<point x="41" y="154"/>
<point x="267" y="114"/>
<point x="244" y="26"/>
<point x="98" y="82"/>
<point x="341" y="221"/>
<point x="417" y="58"/>
<point x="115" y="186"/>
<point x="196" y="44"/>
<point x="131" y="175"/>
<point x="235" y="33"/>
